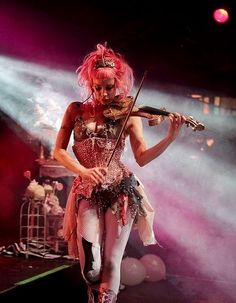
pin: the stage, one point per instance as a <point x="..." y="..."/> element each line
<point x="34" y="278"/>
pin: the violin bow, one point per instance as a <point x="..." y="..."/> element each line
<point x="126" y="118"/>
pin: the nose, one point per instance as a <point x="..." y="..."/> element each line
<point x="104" y="92"/>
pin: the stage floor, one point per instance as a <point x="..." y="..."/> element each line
<point x="17" y="270"/>
<point x="43" y="279"/>
<point x="31" y="271"/>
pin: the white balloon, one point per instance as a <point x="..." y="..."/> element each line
<point x="155" y="267"/>
<point x="133" y="271"/>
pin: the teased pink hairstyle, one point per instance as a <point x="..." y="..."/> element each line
<point x="105" y="63"/>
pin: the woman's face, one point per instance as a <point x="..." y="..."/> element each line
<point x="104" y="90"/>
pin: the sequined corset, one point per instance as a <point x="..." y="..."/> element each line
<point x="94" y="149"/>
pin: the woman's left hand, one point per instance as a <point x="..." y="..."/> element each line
<point x="176" y="122"/>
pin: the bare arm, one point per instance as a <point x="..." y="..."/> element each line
<point x="62" y="141"/>
<point x="96" y="174"/>
<point x="143" y="155"/>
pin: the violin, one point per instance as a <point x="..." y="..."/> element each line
<point x="119" y="108"/>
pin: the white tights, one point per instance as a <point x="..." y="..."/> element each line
<point x="107" y="233"/>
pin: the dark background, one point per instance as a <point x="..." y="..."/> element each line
<point x="178" y="42"/>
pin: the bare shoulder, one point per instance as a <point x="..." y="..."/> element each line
<point x="74" y="106"/>
<point x="74" y="109"/>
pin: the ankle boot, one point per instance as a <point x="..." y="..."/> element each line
<point x="107" y="296"/>
<point x="93" y="295"/>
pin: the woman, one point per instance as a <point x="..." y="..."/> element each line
<point x="105" y="200"/>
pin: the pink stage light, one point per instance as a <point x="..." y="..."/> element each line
<point x="221" y="15"/>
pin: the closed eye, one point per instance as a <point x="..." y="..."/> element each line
<point x="110" y="87"/>
<point x="107" y="88"/>
<point x="98" y="88"/>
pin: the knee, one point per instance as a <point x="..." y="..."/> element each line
<point x="111" y="266"/>
<point x="92" y="276"/>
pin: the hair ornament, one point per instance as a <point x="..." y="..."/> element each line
<point x="104" y="63"/>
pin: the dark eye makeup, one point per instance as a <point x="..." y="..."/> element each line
<point x="107" y="88"/>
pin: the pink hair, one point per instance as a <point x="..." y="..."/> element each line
<point x="120" y="70"/>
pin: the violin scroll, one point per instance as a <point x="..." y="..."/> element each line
<point x="196" y="125"/>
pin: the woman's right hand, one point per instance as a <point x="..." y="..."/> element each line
<point x="96" y="174"/>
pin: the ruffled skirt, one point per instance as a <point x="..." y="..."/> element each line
<point x="127" y="196"/>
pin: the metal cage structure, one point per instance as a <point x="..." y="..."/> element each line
<point x="39" y="229"/>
